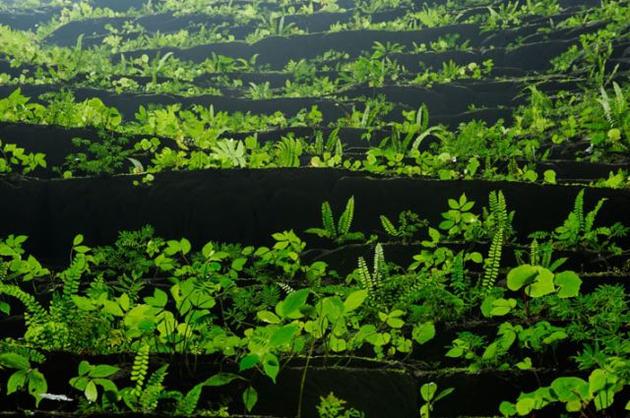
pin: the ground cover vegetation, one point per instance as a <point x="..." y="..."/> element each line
<point x="323" y="208"/>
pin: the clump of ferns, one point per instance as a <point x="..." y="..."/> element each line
<point x="61" y="326"/>
<point x="500" y="228"/>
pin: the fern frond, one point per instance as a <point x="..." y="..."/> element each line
<point x="34" y="311"/>
<point x="493" y="263"/>
<point x="158" y="376"/>
<point x="379" y="266"/>
<point x="589" y="220"/>
<point x="345" y="220"/>
<point x="153" y="390"/>
<point x="286" y="288"/>
<point x="139" y="369"/>
<point x="364" y="275"/>
<point x="389" y="227"/>
<point x="578" y="208"/>
<point x="188" y="404"/>
<point x="328" y="220"/>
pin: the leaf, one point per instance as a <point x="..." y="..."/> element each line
<point x="428" y="391"/>
<point x="542" y="286"/>
<point x="158" y="300"/>
<point x="103" y="370"/>
<point x="569" y="283"/>
<point x="538" y="281"/>
<point x="501" y="307"/>
<point x="248" y="362"/>
<point x="271" y="366"/>
<point x="355" y="299"/>
<point x="570" y="389"/>
<point x="290" y="307"/>
<point x="36" y="385"/>
<point x="507" y="409"/>
<point x="221" y="379"/>
<point x="424" y="332"/>
<point x="284" y="335"/>
<point x="250" y="398"/>
<point x="268" y="317"/>
<point x="83" y="303"/>
<point x="597" y="380"/>
<point x="91" y="393"/>
<point x="14" y="361"/>
<point x="521" y="276"/>
<point x="443" y="394"/>
<point x="77" y="240"/>
<point x="16" y="381"/>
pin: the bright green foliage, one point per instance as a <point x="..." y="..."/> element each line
<point x="430" y="396"/>
<point x="333" y="407"/>
<point x="92" y="376"/>
<point x="339" y="232"/>
<point x="25" y="376"/>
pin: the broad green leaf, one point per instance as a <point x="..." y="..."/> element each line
<point x="501" y="307"/>
<point x="355" y="299"/>
<point x="569" y="283"/>
<point x="36" y="385"/>
<point x="291" y="305"/>
<point x="16" y="381"/>
<point x="268" y="317"/>
<point x="250" y="398"/>
<point x="103" y="370"/>
<point x="248" y="362"/>
<point x="271" y="366"/>
<point x="91" y="392"/>
<point x="424" y="332"/>
<point x="570" y="389"/>
<point x="14" y="361"/>
<point x="284" y="335"/>
<point x="521" y="276"/>
<point x="158" y="300"/>
<point x="221" y="379"/>
<point x="428" y="391"/>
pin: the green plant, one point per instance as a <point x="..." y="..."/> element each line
<point x="576" y="394"/>
<point x="409" y="223"/>
<point x="333" y="407"/>
<point x="337" y="231"/>
<point x="459" y="219"/>
<point x="25" y="376"/>
<point x="14" y="159"/>
<point x="580" y="231"/>
<point x="430" y="396"/>
<point x="92" y="376"/>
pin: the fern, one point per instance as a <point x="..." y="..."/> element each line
<point x="493" y="262"/>
<point x="379" y="266"/>
<point x="364" y="276"/>
<point x="340" y="233"/>
<point x="153" y="390"/>
<point x="372" y="281"/>
<point x="345" y="220"/>
<point x="35" y="313"/>
<point x="589" y="220"/>
<point x="578" y="209"/>
<point x="286" y="288"/>
<point x="389" y="227"/>
<point x="188" y="404"/>
<point x="140" y="369"/>
<point x="328" y="220"/>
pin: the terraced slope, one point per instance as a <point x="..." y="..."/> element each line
<point x="402" y="208"/>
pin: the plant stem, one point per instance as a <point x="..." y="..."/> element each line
<point x="303" y="381"/>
